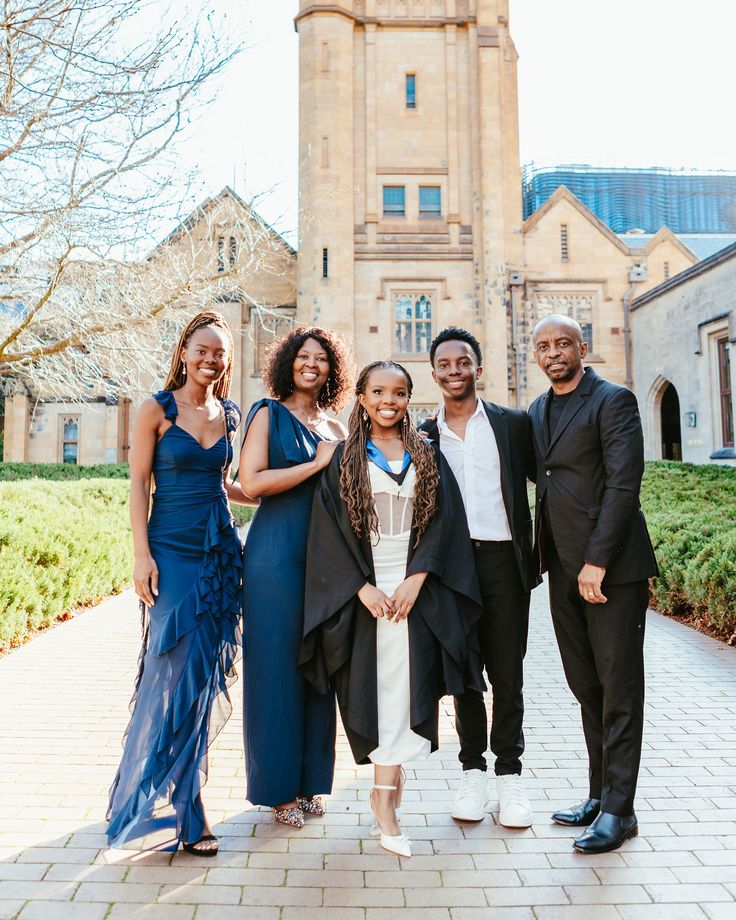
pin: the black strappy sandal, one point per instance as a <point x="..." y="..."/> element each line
<point x="192" y="847"/>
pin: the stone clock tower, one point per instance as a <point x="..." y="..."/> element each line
<point x="410" y="190"/>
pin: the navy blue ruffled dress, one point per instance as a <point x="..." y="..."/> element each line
<point x="191" y="639"/>
<point x="289" y="728"/>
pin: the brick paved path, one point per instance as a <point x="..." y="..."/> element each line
<point x="63" y="702"/>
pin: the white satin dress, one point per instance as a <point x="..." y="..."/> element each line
<point x="397" y="743"/>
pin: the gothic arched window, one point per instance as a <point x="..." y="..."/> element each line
<point x="413" y="316"/>
<point x="70" y="440"/>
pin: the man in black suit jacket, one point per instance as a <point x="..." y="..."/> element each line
<point x="592" y="538"/>
<point x="489" y="448"/>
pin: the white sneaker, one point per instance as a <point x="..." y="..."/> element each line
<point x="514" y="809"/>
<point x="472" y="797"/>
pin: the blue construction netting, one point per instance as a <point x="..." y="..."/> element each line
<point x="646" y="199"/>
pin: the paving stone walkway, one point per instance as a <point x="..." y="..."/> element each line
<point x="63" y="707"/>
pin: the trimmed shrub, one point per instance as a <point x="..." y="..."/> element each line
<point x="242" y="514"/>
<point x="62" y="545"/>
<point x="691" y="513"/>
<point x="64" y="471"/>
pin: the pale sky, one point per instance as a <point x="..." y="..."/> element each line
<point x="605" y="82"/>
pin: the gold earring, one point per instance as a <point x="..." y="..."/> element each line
<point x="365" y="415"/>
<point x="183" y="369"/>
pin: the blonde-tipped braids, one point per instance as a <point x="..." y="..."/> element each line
<point x="176" y="376"/>
<point x="355" y="483"/>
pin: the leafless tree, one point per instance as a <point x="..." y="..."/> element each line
<point x="93" y="95"/>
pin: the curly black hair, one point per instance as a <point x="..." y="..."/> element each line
<point x="456" y="334"/>
<point x="278" y="373"/>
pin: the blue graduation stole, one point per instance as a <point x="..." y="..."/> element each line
<point x="376" y="456"/>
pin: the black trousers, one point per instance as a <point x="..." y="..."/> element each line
<point x="503" y="632"/>
<point x="602" y="650"/>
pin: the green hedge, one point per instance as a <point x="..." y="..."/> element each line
<point x="66" y="544"/>
<point x="11" y="472"/>
<point x="691" y="512"/>
<point x="64" y="471"/>
<point x="62" y="544"/>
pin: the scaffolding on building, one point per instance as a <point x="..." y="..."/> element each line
<point x="645" y="199"/>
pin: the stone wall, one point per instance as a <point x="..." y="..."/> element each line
<point x="676" y="335"/>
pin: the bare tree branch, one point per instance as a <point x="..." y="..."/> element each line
<point x="93" y="96"/>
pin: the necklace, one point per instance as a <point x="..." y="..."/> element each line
<point x="391" y="437"/>
<point x="310" y="420"/>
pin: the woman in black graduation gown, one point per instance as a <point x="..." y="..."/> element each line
<point x="388" y="538"/>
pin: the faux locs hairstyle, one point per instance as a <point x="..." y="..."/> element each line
<point x="278" y="373"/>
<point x="355" y="483"/>
<point x="456" y="334"/>
<point x="176" y="376"/>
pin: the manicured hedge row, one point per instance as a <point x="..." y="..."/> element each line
<point x="10" y="472"/>
<point x="691" y="512"/>
<point x="62" y="544"/>
<point x="64" y="471"/>
<point x="65" y="544"/>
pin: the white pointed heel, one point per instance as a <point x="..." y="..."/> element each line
<point x="375" y="830"/>
<point x="397" y="843"/>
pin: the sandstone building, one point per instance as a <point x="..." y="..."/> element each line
<point x="410" y="220"/>
<point x="684" y="331"/>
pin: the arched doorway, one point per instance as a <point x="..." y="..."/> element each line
<point x="669" y="408"/>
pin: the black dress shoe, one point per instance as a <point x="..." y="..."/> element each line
<point x="606" y="833"/>
<point x="579" y="815"/>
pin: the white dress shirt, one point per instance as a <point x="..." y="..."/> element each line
<point x="476" y="464"/>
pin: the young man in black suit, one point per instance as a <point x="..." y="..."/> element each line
<point x="593" y="540"/>
<point x="489" y="448"/>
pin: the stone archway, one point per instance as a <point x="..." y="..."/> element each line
<point x="665" y="441"/>
<point x="671" y="432"/>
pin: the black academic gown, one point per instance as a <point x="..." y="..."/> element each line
<point x="339" y="646"/>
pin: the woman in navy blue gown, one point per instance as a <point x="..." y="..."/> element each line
<point x="188" y="568"/>
<point x="289" y="728"/>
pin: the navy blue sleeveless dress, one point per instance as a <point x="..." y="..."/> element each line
<point x="289" y="728"/>
<point x="191" y="639"/>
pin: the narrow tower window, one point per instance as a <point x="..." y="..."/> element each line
<point x="666" y="271"/>
<point x="70" y="440"/>
<point x="564" y="244"/>
<point x="411" y="91"/>
<point x="325" y="263"/>
<point x="394" y="201"/>
<point x="430" y="201"/>
<point x="220" y="253"/>
<point x="325" y="151"/>
<point x="233" y="251"/>
<point x="324" y="57"/>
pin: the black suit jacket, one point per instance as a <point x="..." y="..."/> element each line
<point x="589" y="471"/>
<point x="513" y="437"/>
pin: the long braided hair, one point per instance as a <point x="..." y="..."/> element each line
<point x="176" y="376"/>
<point x="355" y="483"/>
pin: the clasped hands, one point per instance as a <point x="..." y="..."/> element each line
<point x="398" y="606"/>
